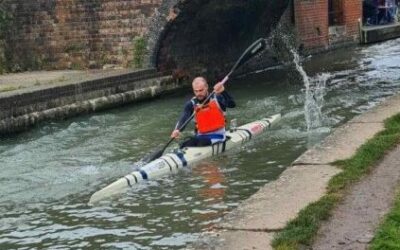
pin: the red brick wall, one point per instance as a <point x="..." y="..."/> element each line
<point x="311" y="21"/>
<point x="79" y="33"/>
<point x="352" y="12"/>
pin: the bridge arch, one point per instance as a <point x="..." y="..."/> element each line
<point x="207" y="36"/>
<point x="194" y="35"/>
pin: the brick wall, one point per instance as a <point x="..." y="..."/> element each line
<point x="311" y="20"/>
<point x="77" y="33"/>
<point x="352" y="12"/>
<point x="312" y="23"/>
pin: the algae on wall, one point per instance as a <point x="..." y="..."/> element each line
<point x="5" y="20"/>
<point x="13" y="56"/>
<point x="2" y="58"/>
<point x="139" y="52"/>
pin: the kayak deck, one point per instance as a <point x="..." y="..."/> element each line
<point x="172" y="162"/>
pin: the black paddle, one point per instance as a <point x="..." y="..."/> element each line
<point x="251" y="51"/>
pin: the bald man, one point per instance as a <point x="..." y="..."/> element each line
<point x="209" y="117"/>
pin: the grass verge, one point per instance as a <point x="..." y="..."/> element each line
<point x="388" y="233"/>
<point x="302" y="230"/>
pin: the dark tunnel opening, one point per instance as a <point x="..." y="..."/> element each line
<point x="207" y="37"/>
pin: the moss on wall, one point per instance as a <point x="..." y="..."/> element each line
<point x="139" y="52"/>
<point x="5" y="21"/>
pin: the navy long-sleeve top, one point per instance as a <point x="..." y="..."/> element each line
<point x="224" y="101"/>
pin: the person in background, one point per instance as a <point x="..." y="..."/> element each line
<point x="209" y="117"/>
<point x="382" y="12"/>
<point x="391" y="11"/>
<point x="395" y="11"/>
<point x="370" y="12"/>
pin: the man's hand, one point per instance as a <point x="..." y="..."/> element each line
<point x="219" y="88"/>
<point x="175" y="134"/>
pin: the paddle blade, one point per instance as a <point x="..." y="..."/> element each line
<point x="157" y="153"/>
<point x="250" y="52"/>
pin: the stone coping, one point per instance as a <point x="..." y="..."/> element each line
<point x="28" y="82"/>
<point x="80" y="93"/>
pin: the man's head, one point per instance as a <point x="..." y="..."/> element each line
<point x="200" y="88"/>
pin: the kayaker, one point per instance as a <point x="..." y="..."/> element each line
<point x="209" y="117"/>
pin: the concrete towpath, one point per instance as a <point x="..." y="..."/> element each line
<point x="253" y="224"/>
<point x="34" y="79"/>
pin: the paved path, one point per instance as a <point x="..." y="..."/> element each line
<point x="253" y="223"/>
<point x="48" y="78"/>
<point x="354" y="221"/>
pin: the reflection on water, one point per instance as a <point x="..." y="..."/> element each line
<point x="212" y="193"/>
<point x="48" y="174"/>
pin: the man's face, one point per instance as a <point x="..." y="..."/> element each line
<point x="200" y="90"/>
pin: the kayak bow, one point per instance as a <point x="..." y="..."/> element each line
<point x="171" y="162"/>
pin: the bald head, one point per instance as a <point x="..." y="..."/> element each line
<point x="200" y="81"/>
<point x="200" y="88"/>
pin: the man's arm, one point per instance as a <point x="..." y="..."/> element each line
<point x="186" y="114"/>
<point x="225" y="100"/>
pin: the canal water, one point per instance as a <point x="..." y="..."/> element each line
<point x="48" y="174"/>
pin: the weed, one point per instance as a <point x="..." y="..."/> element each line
<point x="139" y="52"/>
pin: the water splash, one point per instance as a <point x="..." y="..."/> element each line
<point x="314" y="94"/>
<point x="314" y="101"/>
<point x="314" y="89"/>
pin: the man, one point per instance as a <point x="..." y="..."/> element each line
<point x="392" y="10"/>
<point x="209" y="117"/>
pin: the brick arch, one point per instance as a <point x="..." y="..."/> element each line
<point x="197" y="35"/>
<point x="207" y="36"/>
<point x="163" y="17"/>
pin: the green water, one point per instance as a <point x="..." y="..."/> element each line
<point x="48" y="174"/>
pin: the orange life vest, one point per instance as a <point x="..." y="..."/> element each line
<point x="209" y="117"/>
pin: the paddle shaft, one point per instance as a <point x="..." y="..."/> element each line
<point x="252" y="50"/>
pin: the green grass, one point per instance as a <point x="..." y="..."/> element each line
<point x="388" y="233"/>
<point x="302" y="230"/>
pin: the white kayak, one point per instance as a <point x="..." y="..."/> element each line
<point x="171" y="162"/>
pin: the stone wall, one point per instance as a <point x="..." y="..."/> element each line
<point x="19" y="110"/>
